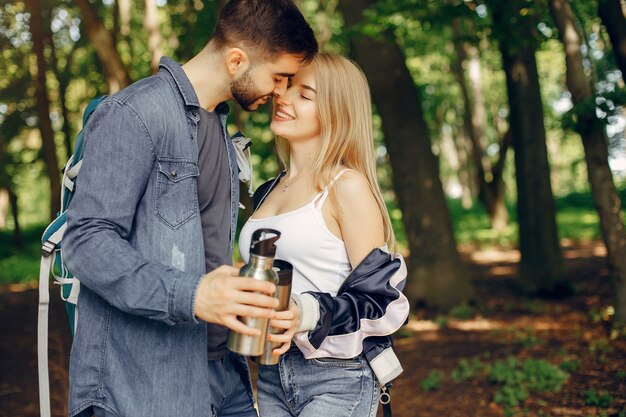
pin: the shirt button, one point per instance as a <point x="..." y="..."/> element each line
<point x="173" y="174"/>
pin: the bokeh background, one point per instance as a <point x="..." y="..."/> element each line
<point x="501" y="154"/>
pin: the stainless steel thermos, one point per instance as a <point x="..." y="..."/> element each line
<point x="259" y="266"/>
<point x="283" y="293"/>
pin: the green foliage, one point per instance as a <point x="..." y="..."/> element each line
<point x="598" y="398"/>
<point x="467" y="369"/>
<point x="462" y="312"/>
<point x="433" y="381"/>
<point x="441" y="321"/>
<point x="20" y="265"/>
<point x="620" y="374"/>
<point x="526" y="337"/>
<point x="601" y="349"/>
<point x="424" y="31"/>
<point x="570" y="365"/>
<point x="602" y="315"/>
<point x="535" y="306"/>
<point x="576" y="218"/>
<point x="517" y="380"/>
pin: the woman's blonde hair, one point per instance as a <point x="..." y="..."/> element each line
<point x="346" y="128"/>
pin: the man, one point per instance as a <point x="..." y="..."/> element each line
<point x="155" y="209"/>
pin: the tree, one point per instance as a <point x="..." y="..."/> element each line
<point x="435" y="274"/>
<point x="151" y="25"/>
<point x="613" y="15"/>
<point x="603" y="191"/>
<point x="489" y="178"/>
<point x="541" y="269"/>
<point x="8" y="198"/>
<point x="114" y="70"/>
<point x="63" y="83"/>
<point x="43" y="106"/>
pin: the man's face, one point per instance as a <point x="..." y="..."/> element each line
<point x="265" y="79"/>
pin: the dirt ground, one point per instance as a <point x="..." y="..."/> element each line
<point x="502" y="324"/>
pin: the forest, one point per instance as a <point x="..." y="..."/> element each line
<point x="499" y="128"/>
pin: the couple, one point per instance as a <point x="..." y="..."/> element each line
<point x="152" y="226"/>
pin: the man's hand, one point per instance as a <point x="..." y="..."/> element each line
<point x="223" y="295"/>
<point x="288" y="320"/>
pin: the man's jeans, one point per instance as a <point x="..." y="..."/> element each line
<point x="231" y="389"/>
<point x="317" y="387"/>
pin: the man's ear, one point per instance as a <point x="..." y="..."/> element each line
<point x="237" y="61"/>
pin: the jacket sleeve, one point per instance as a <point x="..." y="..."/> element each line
<point x="369" y="304"/>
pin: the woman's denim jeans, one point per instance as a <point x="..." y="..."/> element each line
<point x="317" y="387"/>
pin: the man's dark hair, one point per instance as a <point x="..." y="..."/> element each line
<point x="270" y="27"/>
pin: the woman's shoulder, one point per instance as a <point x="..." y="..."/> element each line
<point x="352" y="188"/>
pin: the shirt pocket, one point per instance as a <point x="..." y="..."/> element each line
<point x="176" y="191"/>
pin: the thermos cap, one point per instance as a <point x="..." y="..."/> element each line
<point x="263" y="242"/>
<point x="284" y="271"/>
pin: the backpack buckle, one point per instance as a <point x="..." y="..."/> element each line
<point x="47" y="248"/>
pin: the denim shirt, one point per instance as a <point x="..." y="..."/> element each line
<point x="134" y="240"/>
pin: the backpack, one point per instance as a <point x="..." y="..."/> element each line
<point x="52" y="264"/>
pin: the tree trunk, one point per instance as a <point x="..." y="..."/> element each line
<point x="43" y="108"/>
<point x="466" y="173"/>
<point x="435" y="275"/>
<point x="613" y="15"/>
<point x="490" y="187"/>
<point x="114" y="70"/>
<point x="490" y="191"/>
<point x="63" y="83"/>
<point x="603" y="191"/>
<point x="4" y="207"/>
<point x="124" y="10"/>
<point x="151" y="25"/>
<point x="541" y="269"/>
<point x="17" y="230"/>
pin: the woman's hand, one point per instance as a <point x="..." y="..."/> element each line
<point x="288" y="321"/>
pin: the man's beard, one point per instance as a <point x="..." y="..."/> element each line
<point x="243" y="91"/>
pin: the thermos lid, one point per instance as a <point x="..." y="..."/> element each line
<point x="263" y="242"/>
<point x="283" y="270"/>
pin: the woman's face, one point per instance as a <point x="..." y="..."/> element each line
<point x="295" y="116"/>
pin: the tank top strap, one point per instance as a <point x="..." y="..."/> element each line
<point x="321" y="197"/>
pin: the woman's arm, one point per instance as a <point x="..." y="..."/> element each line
<point x="358" y="216"/>
<point x="370" y="302"/>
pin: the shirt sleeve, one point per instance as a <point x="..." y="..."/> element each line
<point x="117" y="164"/>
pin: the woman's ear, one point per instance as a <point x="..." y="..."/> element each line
<point x="237" y="61"/>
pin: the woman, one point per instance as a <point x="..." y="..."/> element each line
<point x="333" y="222"/>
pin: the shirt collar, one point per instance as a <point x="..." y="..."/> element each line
<point x="184" y="85"/>
<point x="182" y="81"/>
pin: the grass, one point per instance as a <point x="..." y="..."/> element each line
<point x="576" y="217"/>
<point x="576" y="221"/>
<point x="20" y="265"/>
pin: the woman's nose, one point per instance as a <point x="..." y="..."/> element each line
<point x="281" y="99"/>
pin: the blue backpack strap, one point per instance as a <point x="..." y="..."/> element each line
<point x="52" y="263"/>
<point x="79" y="144"/>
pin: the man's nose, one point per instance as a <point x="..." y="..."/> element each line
<point x="280" y="88"/>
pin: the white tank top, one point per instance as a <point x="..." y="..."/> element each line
<point x="319" y="258"/>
